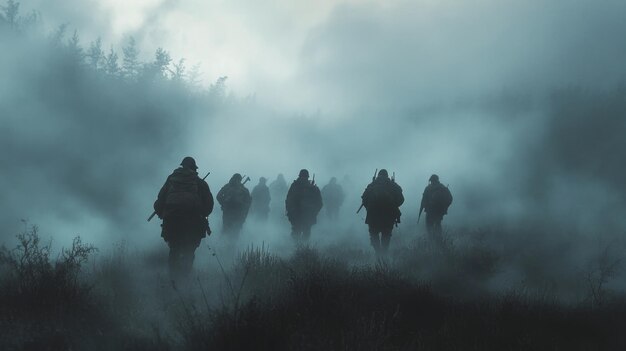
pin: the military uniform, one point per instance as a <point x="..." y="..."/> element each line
<point x="435" y="201"/>
<point x="184" y="203"/>
<point x="235" y="200"/>
<point x="303" y="203"/>
<point x="382" y="199"/>
<point x="333" y="196"/>
<point x="261" y="200"/>
<point x="278" y="192"/>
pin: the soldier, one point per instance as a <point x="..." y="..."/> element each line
<point x="382" y="199"/>
<point x="235" y="199"/>
<point x="261" y="200"/>
<point x="303" y="203"/>
<point x="333" y="196"/>
<point x="435" y="200"/>
<point x="184" y="203"/>
<point x="278" y="191"/>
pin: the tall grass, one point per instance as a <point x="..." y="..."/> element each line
<point x="308" y="301"/>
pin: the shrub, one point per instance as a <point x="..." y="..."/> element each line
<point x="35" y="283"/>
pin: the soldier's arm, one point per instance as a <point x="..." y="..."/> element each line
<point x="365" y="197"/>
<point x="400" y="196"/>
<point x="289" y="199"/>
<point x="424" y="197"/>
<point x="159" y="204"/>
<point x="220" y="195"/>
<point x="320" y="202"/>
<point x="207" y="198"/>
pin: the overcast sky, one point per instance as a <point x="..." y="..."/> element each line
<point x="338" y="54"/>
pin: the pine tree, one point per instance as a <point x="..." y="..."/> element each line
<point x="162" y="61"/>
<point x="11" y="11"/>
<point x="95" y="55"/>
<point x="130" y="63"/>
<point x="74" y="49"/>
<point x="111" y="66"/>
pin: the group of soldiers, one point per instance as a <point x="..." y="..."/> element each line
<point x="185" y="202"/>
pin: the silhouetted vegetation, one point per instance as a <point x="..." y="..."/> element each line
<point x="307" y="301"/>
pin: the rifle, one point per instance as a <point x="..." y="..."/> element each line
<point x="154" y="213"/>
<point x="393" y="177"/>
<point x="245" y="181"/>
<point x="420" y="215"/>
<point x="373" y="179"/>
<point x="313" y="180"/>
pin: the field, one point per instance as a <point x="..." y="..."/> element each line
<point x="426" y="295"/>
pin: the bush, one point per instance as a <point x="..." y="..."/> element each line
<point x="36" y="284"/>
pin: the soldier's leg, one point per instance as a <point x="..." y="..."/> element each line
<point x="188" y="255"/>
<point x="437" y="226"/>
<point x="429" y="223"/>
<point x="306" y="233"/>
<point x="295" y="231"/>
<point x="374" y="238"/>
<point x="385" y="239"/>
<point x="226" y="223"/>
<point x="174" y="259"/>
<point x="171" y="234"/>
<point x="237" y="226"/>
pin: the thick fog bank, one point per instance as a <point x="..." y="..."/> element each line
<point x="522" y="139"/>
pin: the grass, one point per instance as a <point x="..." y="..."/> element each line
<point x="417" y="299"/>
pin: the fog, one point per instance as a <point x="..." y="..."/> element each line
<point x="519" y="107"/>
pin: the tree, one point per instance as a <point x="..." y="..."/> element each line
<point x="218" y="89"/>
<point x="74" y="49"/>
<point x="162" y="60"/>
<point x="95" y="55"/>
<point x="111" y="67"/>
<point x="11" y="11"/>
<point x="130" y="63"/>
<point x="178" y="75"/>
<point x="59" y="34"/>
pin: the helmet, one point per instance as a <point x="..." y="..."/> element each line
<point x="189" y="162"/>
<point x="304" y="174"/>
<point x="433" y="178"/>
<point x="383" y="173"/>
<point x="236" y="178"/>
<point x="262" y="180"/>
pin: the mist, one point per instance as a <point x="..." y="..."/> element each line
<point x="518" y="107"/>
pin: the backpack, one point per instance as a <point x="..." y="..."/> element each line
<point x="308" y="200"/>
<point x="182" y="194"/>
<point x="235" y="197"/>
<point x="440" y="198"/>
<point x="381" y="195"/>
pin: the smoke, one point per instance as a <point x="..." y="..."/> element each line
<point x="517" y="106"/>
